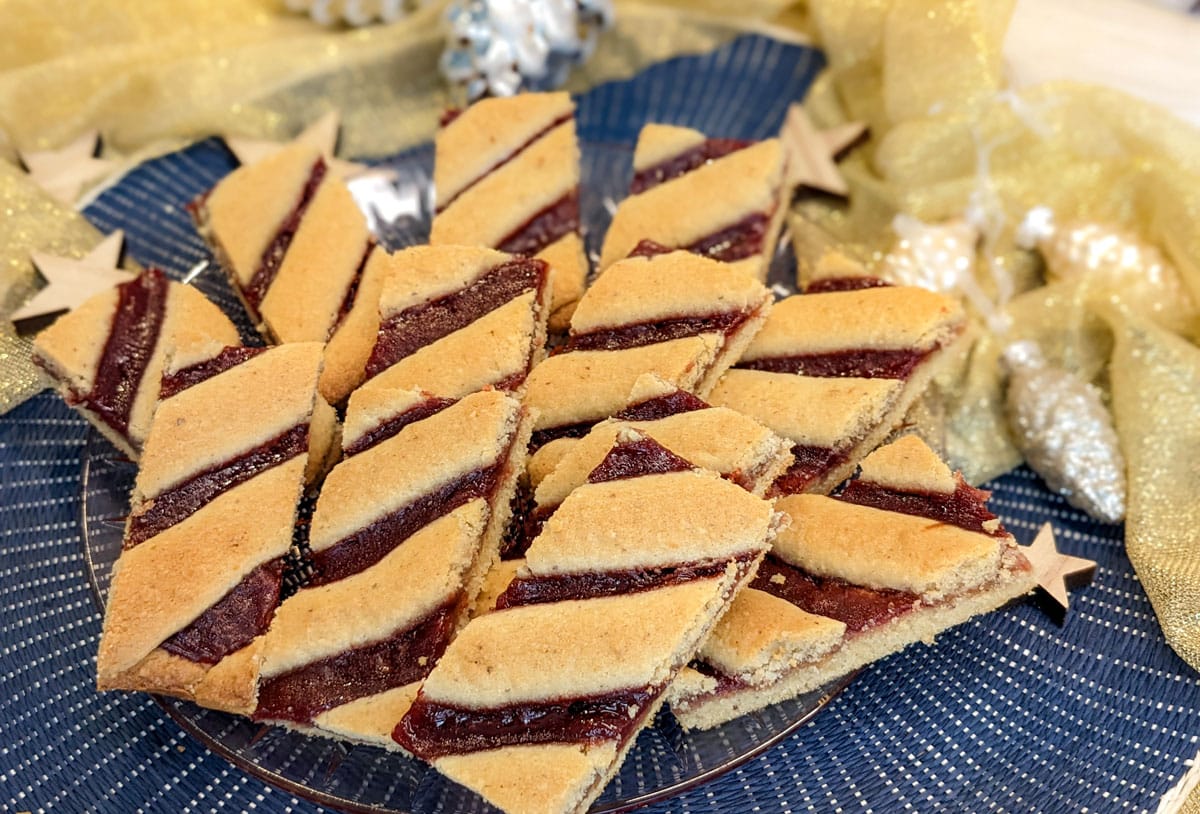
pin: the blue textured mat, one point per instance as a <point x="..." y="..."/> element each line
<point x="1006" y="713"/>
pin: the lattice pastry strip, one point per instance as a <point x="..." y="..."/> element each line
<point x="680" y="316"/>
<point x="836" y="372"/>
<point x="295" y="247"/>
<point x="904" y="552"/>
<point x="456" y="319"/>
<point x="720" y="198"/>
<point x="106" y="356"/>
<point x="403" y="531"/>
<point x="536" y="703"/>
<point x="506" y="173"/>
<point x="232" y="445"/>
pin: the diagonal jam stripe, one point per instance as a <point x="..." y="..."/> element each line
<point x="395" y="424"/>
<point x="182" y="500"/>
<point x="182" y="379"/>
<point x="135" y="331"/>
<point x="812" y="462"/>
<point x="403" y="334"/>
<point x="965" y="507"/>
<point x="273" y="255"/>
<point x="640" y="334"/>
<point x="737" y="242"/>
<point x="545" y="227"/>
<point x="669" y="404"/>
<point x="233" y="622"/>
<point x="452" y="115"/>
<point x="865" y="363"/>
<point x="436" y="730"/>
<point x="401" y="658"/>
<point x="352" y="290"/>
<point x="711" y="149"/>
<point x="369" y="545"/>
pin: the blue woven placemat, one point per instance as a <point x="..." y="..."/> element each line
<point x="1006" y="713"/>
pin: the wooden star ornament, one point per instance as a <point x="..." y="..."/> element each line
<point x="65" y="172"/>
<point x="322" y="134"/>
<point x="813" y="154"/>
<point x="70" y="281"/>
<point x="1056" y="573"/>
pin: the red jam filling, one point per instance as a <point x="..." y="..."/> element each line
<point x="542" y="589"/>
<point x="136" y="325"/>
<point x="965" y="507"/>
<point x="831" y="284"/>
<point x="743" y="239"/>
<point x="431" y="730"/>
<point x="352" y="290"/>
<point x="272" y="257"/>
<point x="185" y="498"/>
<point x="640" y="334"/>
<point x="857" y="607"/>
<point x="725" y="681"/>
<point x="392" y="426"/>
<point x="633" y="459"/>
<point x="861" y="364"/>
<point x="664" y="406"/>
<point x="408" y="331"/>
<point x="811" y="464"/>
<point x="685" y="162"/>
<point x="542" y="437"/>
<point x="649" y="248"/>
<point x="233" y="622"/>
<point x="552" y="223"/>
<point x="405" y="656"/>
<point x="523" y="532"/>
<point x="371" y="544"/>
<point x="182" y="379"/>
<point x="453" y="113"/>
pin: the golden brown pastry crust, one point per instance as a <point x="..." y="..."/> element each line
<point x="908" y="465"/>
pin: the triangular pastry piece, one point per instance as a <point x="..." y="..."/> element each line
<point x="403" y="531"/>
<point x="212" y="515"/>
<point x="456" y="319"/>
<point x="736" y="447"/>
<point x="836" y="373"/>
<point x="106" y="356"/>
<point x="679" y="316"/>
<point x="295" y="245"/>
<point x="534" y="705"/>
<point x="721" y="198"/>
<point x="906" y="551"/>
<point x="506" y="172"/>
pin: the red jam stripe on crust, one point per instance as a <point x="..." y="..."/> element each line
<point x="235" y="621"/>
<point x="177" y="381"/>
<point x="686" y="161"/>
<point x="272" y="257"/>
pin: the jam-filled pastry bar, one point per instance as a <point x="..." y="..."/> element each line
<point x="295" y="245"/>
<point x="403" y="531"/>
<point x="836" y="372"/>
<point x="718" y="439"/>
<point x="680" y="316"/>
<point x="534" y="705"/>
<point x="106" y="356"/>
<point x="721" y="198"/>
<point x="506" y="174"/>
<point x="906" y="551"/>
<point x="456" y="319"/>
<point x="228" y="457"/>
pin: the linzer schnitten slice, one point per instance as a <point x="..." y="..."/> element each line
<point x="106" y="357"/>
<point x="836" y="372"/>
<point x="534" y="705"/>
<point x="506" y="173"/>
<point x="212" y="513"/>
<point x="404" y="529"/>
<point x="734" y="446"/>
<point x="721" y="198"/>
<point x="295" y="247"/>
<point x="456" y="319"/>
<point x="680" y="316"/>
<point x="906" y="551"/>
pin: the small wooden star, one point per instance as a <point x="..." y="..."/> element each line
<point x="1056" y="573"/>
<point x="64" y="173"/>
<point x="71" y="281"/>
<point x="812" y="153"/>
<point x="322" y="134"/>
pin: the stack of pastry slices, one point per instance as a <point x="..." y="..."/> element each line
<point x="516" y="555"/>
